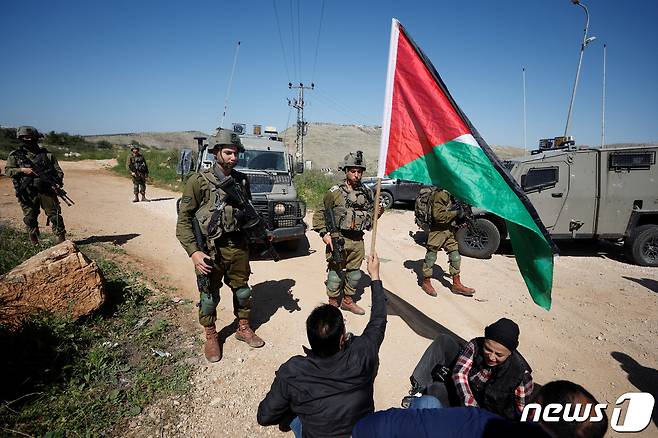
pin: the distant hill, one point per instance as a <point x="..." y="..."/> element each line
<point x="160" y="140"/>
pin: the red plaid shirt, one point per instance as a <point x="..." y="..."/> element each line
<point x="462" y="380"/>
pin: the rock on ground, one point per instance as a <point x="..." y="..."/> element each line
<point x="59" y="279"/>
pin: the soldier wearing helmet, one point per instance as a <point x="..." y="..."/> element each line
<point x="204" y="201"/>
<point x="33" y="193"/>
<point x="352" y="205"/>
<point x="139" y="171"/>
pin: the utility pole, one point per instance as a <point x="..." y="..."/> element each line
<point x="603" y="100"/>
<point x="298" y="104"/>
<point x="525" y="144"/>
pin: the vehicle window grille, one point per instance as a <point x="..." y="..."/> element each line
<point x="637" y="160"/>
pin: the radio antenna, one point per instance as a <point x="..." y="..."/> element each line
<point x="230" y="84"/>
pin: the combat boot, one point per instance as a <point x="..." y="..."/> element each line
<point x="212" y="349"/>
<point x="426" y="285"/>
<point x="246" y="334"/>
<point x="459" y="288"/>
<point x="34" y="238"/>
<point x="61" y="238"/>
<point x="349" y="304"/>
<point x="144" y="198"/>
<point x="333" y="301"/>
<point x="136" y="198"/>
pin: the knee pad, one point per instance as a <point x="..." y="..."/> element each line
<point x="455" y="259"/>
<point x="334" y="281"/>
<point x="31" y="221"/>
<point x="353" y="277"/>
<point x="243" y="295"/>
<point x="430" y="258"/>
<point x="208" y="303"/>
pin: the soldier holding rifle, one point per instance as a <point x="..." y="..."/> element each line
<point x="218" y="200"/>
<point x="38" y="181"/>
<point x="347" y="212"/>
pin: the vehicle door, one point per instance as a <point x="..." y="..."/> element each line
<point x="547" y="186"/>
<point x="407" y="190"/>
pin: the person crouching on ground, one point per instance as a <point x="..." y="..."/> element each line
<point x="327" y="391"/>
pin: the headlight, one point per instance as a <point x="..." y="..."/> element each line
<point x="279" y="209"/>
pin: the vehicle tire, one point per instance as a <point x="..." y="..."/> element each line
<point x="480" y="242"/>
<point x="386" y="199"/>
<point x="643" y="245"/>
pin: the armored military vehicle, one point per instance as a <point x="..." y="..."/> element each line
<point x="583" y="193"/>
<point x="269" y="167"/>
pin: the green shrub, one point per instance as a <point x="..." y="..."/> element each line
<point x="66" y="378"/>
<point x="312" y="185"/>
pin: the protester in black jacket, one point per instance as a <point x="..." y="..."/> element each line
<point x="327" y="391"/>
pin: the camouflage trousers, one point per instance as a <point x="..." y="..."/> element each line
<point x="51" y="207"/>
<point x="345" y="277"/>
<point x="139" y="184"/>
<point x="231" y="266"/>
<point x="437" y="240"/>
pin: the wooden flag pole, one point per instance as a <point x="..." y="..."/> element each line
<point x="376" y="217"/>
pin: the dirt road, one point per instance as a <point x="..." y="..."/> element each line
<point x="601" y="331"/>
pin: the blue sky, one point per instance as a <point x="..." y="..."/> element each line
<point x="91" y="67"/>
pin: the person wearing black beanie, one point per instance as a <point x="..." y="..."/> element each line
<point x="488" y="372"/>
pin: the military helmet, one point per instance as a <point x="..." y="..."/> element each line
<point x="353" y="159"/>
<point x="226" y="137"/>
<point x="27" y="131"/>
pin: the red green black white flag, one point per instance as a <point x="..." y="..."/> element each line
<point x="427" y="138"/>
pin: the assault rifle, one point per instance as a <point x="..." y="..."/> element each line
<point x="337" y="241"/>
<point x="467" y="216"/>
<point x="202" y="280"/>
<point x="47" y="179"/>
<point x="247" y="217"/>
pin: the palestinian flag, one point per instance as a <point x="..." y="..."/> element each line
<point x="428" y="139"/>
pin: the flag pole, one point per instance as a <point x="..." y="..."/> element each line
<point x="376" y="217"/>
<point x="386" y="124"/>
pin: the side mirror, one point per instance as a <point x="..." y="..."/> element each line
<point x="299" y="168"/>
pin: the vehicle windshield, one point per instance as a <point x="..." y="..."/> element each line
<point x="263" y="160"/>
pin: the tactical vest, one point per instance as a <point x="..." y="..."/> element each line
<point x="423" y="208"/>
<point x="497" y="393"/>
<point x="27" y="186"/>
<point x="138" y="163"/>
<point x="354" y="209"/>
<point x="216" y="216"/>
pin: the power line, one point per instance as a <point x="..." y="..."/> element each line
<point x="278" y="28"/>
<point x="294" y="45"/>
<point x="349" y="111"/>
<point x="317" y="43"/>
<point x="299" y="35"/>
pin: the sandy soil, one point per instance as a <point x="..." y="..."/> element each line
<point x="600" y="333"/>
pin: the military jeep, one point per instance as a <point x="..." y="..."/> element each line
<point x="583" y="193"/>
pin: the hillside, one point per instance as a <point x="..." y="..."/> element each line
<point x="160" y="140"/>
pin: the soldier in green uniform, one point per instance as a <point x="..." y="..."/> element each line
<point x="32" y="192"/>
<point x="441" y="236"/>
<point x="139" y="171"/>
<point x="352" y="205"/>
<point x="227" y="259"/>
